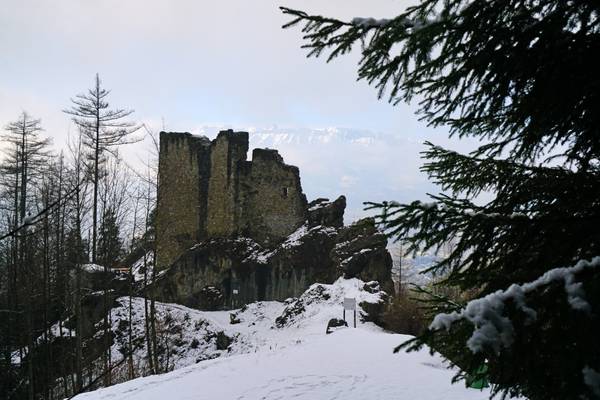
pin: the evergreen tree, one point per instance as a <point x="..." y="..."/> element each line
<point x="75" y="248"/>
<point x="522" y="76"/>
<point x="110" y="245"/>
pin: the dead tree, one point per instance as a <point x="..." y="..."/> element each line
<point x="103" y="130"/>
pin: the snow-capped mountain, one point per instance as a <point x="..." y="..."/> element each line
<point x="326" y="136"/>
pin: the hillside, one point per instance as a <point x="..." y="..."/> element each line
<point x="291" y="357"/>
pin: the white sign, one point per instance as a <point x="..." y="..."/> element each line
<point x="235" y="291"/>
<point x="349" y="304"/>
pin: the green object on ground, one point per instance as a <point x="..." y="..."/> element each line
<point x="479" y="378"/>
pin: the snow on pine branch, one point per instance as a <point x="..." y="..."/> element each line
<point x="368" y="23"/>
<point x="592" y="379"/>
<point x="470" y="213"/>
<point x="494" y="329"/>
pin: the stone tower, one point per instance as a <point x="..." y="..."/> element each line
<point x="208" y="189"/>
<point x="226" y="152"/>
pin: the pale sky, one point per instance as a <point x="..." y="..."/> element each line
<point x="203" y="63"/>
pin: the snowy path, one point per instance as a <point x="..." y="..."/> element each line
<point x="349" y="364"/>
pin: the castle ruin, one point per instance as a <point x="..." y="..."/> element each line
<point x="208" y="189"/>
<point x="231" y="231"/>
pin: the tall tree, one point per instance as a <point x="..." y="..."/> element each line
<point x="103" y="129"/>
<point x="522" y="76"/>
<point x="27" y="155"/>
<point x="76" y="254"/>
<point x="29" y="152"/>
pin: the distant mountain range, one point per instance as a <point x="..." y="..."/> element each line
<point x="325" y="136"/>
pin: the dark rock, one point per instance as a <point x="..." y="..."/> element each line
<point x="316" y="293"/>
<point x="256" y="273"/>
<point x="289" y="312"/>
<point x="92" y="310"/>
<point x="360" y="252"/>
<point x="223" y="341"/>
<point x="121" y="284"/>
<point x="200" y="324"/>
<point x="210" y="298"/>
<point x="233" y="319"/>
<point x="175" y="329"/>
<point x="335" y="323"/>
<point x="323" y="212"/>
<point x="95" y="278"/>
<point x="373" y="311"/>
<point x="122" y="325"/>
<point x="294" y="307"/>
<point x="371" y="287"/>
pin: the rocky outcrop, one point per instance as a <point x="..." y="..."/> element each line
<point x="369" y="298"/>
<point x="360" y="252"/>
<point x="93" y="277"/>
<point x="224" y="273"/>
<point x="323" y="212"/>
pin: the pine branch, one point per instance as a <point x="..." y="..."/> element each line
<point x="470" y="65"/>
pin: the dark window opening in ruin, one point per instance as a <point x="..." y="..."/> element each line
<point x="285" y="192"/>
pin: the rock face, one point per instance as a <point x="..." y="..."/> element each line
<point x="231" y="231"/>
<point x="360" y="252"/>
<point x="229" y="272"/>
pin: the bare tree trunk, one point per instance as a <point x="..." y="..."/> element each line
<point x="25" y="266"/>
<point x="147" y="317"/>
<point x="131" y="374"/>
<point x="78" y="313"/>
<point x="46" y="298"/>
<point x="106" y="310"/>
<point x="153" y="327"/>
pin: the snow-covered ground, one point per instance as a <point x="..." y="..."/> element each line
<point x="348" y="364"/>
<point x="292" y="359"/>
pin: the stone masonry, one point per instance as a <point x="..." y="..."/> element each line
<point x="208" y="189"/>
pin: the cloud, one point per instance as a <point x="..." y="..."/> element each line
<point x="186" y="64"/>
<point x="348" y="181"/>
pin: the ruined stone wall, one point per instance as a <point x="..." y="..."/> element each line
<point x="183" y="180"/>
<point x="271" y="203"/>
<point x="227" y="150"/>
<point x="208" y="190"/>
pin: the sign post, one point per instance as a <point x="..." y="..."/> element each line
<point x="350" y="305"/>
<point x="235" y="291"/>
